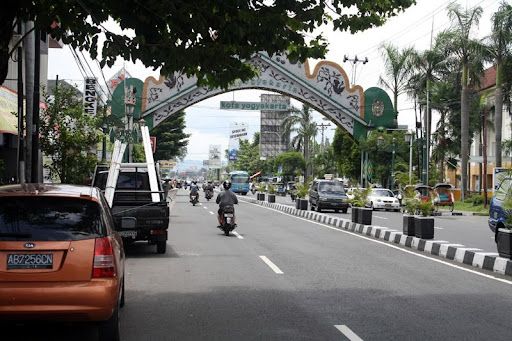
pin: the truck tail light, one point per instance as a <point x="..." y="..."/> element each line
<point x="104" y="263"/>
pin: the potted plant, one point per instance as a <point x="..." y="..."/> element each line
<point x="301" y="192"/>
<point x="410" y="205"/>
<point x="261" y="191"/>
<point x="361" y="214"/>
<point x="271" y="193"/>
<point x="424" y="224"/>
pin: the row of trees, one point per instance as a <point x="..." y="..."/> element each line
<point x="446" y="78"/>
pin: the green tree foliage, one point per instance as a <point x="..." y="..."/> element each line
<point x="397" y="68"/>
<point x="301" y="122"/>
<point x="380" y="156"/>
<point x="249" y="157"/>
<point x="66" y="134"/>
<point x="209" y="39"/>
<point x="293" y="164"/>
<point x="347" y="154"/>
<point x="324" y="163"/>
<point x="171" y="141"/>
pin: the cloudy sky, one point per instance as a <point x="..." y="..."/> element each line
<point x="210" y="125"/>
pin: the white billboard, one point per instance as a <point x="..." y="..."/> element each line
<point x="214" y="157"/>
<point x="237" y="131"/>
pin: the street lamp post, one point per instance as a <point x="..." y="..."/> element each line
<point x="408" y="138"/>
<point x="393" y="165"/>
<point x="129" y="102"/>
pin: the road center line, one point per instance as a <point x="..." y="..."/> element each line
<point x="272" y="265"/>
<point x="211" y="212"/>
<point x="357" y="235"/>
<point x="376" y="216"/>
<point x="238" y="235"/>
<point x="348" y="332"/>
<point x="205" y="207"/>
<point x="438" y="228"/>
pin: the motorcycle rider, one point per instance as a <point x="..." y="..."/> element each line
<point x="194" y="190"/>
<point x="209" y="187"/>
<point x="226" y="198"/>
<point x="167" y="186"/>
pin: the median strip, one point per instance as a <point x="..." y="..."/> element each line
<point x="456" y="252"/>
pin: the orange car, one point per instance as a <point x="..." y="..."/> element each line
<point x="60" y="258"/>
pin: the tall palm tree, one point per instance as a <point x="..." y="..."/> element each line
<point x="499" y="45"/>
<point x="466" y="48"/>
<point x="427" y="67"/>
<point x="397" y="70"/>
<point x="301" y="122"/>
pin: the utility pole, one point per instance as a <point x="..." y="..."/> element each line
<point x="29" y="100"/>
<point x="323" y="127"/>
<point x="354" y="61"/>
<point x="35" y="108"/>
<point x="21" y="125"/>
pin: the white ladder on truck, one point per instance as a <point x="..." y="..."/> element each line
<point x="113" y="171"/>
<point x="115" y="165"/>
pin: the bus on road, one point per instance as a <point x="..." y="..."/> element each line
<point x="239" y="182"/>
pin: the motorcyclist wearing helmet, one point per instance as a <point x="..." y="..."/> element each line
<point x="209" y="186"/>
<point x="194" y="190"/>
<point x="226" y="198"/>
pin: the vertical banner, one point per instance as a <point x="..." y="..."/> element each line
<point x="214" y="157"/>
<point x="90" y="96"/>
<point x="237" y="131"/>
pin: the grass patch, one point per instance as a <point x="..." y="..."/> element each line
<point x="469" y="207"/>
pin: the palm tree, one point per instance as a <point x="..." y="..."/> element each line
<point x="498" y="46"/>
<point x="397" y="70"/>
<point x="427" y="67"/>
<point x="301" y="122"/>
<point x="466" y="49"/>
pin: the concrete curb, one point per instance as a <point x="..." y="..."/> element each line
<point x="456" y="252"/>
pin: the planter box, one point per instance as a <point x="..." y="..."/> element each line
<point x="261" y="196"/>
<point x="301" y="204"/>
<point x="408" y="225"/>
<point x="271" y="198"/>
<point x="355" y="214"/>
<point x="364" y="216"/>
<point x="424" y="227"/>
<point x="504" y="242"/>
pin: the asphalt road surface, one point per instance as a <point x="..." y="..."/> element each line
<point x="281" y="277"/>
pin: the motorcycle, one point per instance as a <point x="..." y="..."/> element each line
<point x="253" y="190"/>
<point x="293" y="196"/>
<point x="194" y="199"/>
<point x="208" y="195"/>
<point x="227" y="216"/>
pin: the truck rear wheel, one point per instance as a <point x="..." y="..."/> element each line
<point x="161" y="246"/>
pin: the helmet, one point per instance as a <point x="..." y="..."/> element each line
<point x="194" y="182"/>
<point x="226" y="184"/>
<point x="210" y="181"/>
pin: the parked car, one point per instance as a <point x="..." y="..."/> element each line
<point x="328" y="194"/>
<point x="61" y="257"/>
<point x="497" y="214"/>
<point x="382" y="198"/>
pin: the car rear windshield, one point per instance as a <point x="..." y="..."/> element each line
<point x="38" y="218"/>
<point x="331" y="187"/>
<point x="504" y="189"/>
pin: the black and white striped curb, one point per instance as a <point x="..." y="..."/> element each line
<point x="457" y="252"/>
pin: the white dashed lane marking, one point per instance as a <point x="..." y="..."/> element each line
<point x="348" y="332"/>
<point x="238" y="235"/>
<point x="272" y="265"/>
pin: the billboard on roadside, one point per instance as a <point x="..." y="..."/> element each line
<point x="214" y="161"/>
<point x="237" y="131"/>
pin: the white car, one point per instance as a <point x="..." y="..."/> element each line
<point x="382" y="198"/>
<point x="350" y="191"/>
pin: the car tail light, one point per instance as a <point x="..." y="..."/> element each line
<point x="157" y="232"/>
<point x="104" y="263"/>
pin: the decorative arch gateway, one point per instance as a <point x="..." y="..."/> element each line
<point x="327" y="90"/>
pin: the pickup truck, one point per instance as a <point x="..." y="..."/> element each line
<point x="132" y="198"/>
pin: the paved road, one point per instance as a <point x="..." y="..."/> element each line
<point x="471" y="231"/>
<point x="292" y="279"/>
